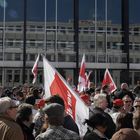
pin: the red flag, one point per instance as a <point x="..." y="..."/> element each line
<point x="109" y="81"/>
<point x="82" y="77"/>
<point x="54" y="84"/>
<point x="35" y="69"/>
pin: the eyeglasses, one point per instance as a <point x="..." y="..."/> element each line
<point x="13" y="107"/>
<point x="127" y="101"/>
<point x="137" y="106"/>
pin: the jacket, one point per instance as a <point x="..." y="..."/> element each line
<point x="9" y="129"/>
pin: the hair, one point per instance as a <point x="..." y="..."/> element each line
<point x="57" y="121"/>
<point x="98" y="98"/>
<point x="136" y="120"/>
<point x="55" y="99"/>
<point x="124" y="120"/>
<point x="24" y="112"/>
<point x="97" y="119"/>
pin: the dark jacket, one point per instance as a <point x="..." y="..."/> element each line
<point x="111" y="127"/>
<point x="70" y="124"/>
<point x="92" y="136"/>
<point x="27" y="132"/>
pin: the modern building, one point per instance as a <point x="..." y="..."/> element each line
<point x="106" y="31"/>
<point x="101" y="45"/>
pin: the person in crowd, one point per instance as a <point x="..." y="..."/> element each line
<point x="136" y="121"/>
<point x="124" y="120"/>
<point x="55" y="117"/>
<point x="91" y="88"/>
<point x="7" y="93"/>
<point x="97" y="125"/>
<point x="126" y="134"/>
<point x="136" y="104"/>
<point x="39" y="118"/>
<point x="136" y="89"/>
<point x="128" y="104"/>
<point x="24" y="119"/>
<point x="117" y="109"/>
<point x="99" y="106"/>
<point x="19" y="96"/>
<point x="106" y="90"/>
<point x="9" y="129"/>
<point x="124" y="91"/>
<point x="69" y="123"/>
<point x="31" y="99"/>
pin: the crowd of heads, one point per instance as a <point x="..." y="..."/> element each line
<point x="120" y="109"/>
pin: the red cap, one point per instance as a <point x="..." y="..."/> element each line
<point x="41" y="103"/>
<point x="118" y="102"/>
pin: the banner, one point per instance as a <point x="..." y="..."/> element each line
<point x="54" y="84"/>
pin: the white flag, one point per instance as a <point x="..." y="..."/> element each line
<point x="55" y="84"/>
<point x="82" y="77"/>
<point x="35" y="69"/>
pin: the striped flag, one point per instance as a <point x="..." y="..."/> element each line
<point x="35" y="69"/>
<point x="54" y="84"/>
<point x="82" y="77"/>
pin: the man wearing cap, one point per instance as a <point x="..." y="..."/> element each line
<point x="117" y="108"/>
<point x="55" y="118"/>
<point x="9" y="129"/>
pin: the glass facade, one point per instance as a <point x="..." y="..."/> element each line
<point x="50" y="30"/>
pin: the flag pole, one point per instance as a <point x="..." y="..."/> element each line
<point x="45" y="30"/>
<point x="76" y="38"/>
<point x="24" y="42"/>
<point x="3" y="45"/>
<point x="95" y="38"/>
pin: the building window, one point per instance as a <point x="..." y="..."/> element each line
<point x="1" y="56"/>
<point x="17" y="56"/>
<point x="17" y="76"/>
<point x="8" y="56"/>
<point x="18" y="28"/>
<point x="32" y="57"/>
<point x="9" y="76"/>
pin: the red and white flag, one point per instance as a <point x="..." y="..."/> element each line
<point x="87" y="79"/>
<point x="35" y="69"/>
<point x="109" y="81"/>
<point x="82" y="77"/>
<point x="54" y="84"/>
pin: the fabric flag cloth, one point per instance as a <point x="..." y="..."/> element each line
<point x="82" y="77"/>
<point x="87" y="79"/>
<point x="35" y="69"/>
<point x="54" y="84"/>
<point x="109" y="81"/>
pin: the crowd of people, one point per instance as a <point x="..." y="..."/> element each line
<point x="26" y="115"/>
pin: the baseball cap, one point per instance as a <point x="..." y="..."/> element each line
<point x="118" y="102"/>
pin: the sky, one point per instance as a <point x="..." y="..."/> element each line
<point x="35" y="10"/>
